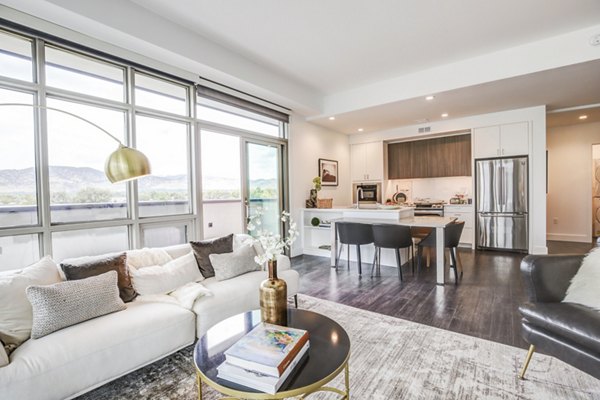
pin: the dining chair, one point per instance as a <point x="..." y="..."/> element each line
<point x="452" y="235"/>
<point x="396" y="237"/>
<point x="352" y="233"/>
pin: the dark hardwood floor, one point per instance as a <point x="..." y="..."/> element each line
<point x="483" y="304"/>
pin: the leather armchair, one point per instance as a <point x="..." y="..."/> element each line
<point x="567" y="331"/>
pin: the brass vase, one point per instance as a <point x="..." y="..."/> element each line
<point x="273" y="297"/>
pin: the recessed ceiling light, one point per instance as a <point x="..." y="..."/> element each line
<point x="429" y="97"/>
<point x="444" y="115"/>
<point x="583" y="117"/>
<point x="360" y="129"/>
<point x="331" y="118"/>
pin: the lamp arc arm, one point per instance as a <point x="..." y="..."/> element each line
<point x="64" y="112"/>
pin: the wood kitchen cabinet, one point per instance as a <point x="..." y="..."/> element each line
<point x="430" y="158"/>
<point x="501" y="140"/>
<point x="366" y="161"/>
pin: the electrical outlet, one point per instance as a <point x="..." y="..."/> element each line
<point x="555" y="221"/>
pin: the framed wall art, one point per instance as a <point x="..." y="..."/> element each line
<point x="328" y="171"/>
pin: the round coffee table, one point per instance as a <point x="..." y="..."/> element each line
<point x="327" y="356"/>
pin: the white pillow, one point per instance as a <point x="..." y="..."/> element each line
<point x="15" y="309"/>
<point x="146" y="257"/>
<point x="187" y="295"/>
<point x="585" y="285"/>
<point x="166" y="278"/>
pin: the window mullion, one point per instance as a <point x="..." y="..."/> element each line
<point x="43" y="178"/>
<point x="135" y="234"/>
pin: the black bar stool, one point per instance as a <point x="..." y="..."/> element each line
<point x="451" y="240"/>
<point x="388" y="236"/>
<point x="352" y="233"/>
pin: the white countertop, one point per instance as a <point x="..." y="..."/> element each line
<point x="362" y="209"/>
<point x="458" y="205"/>
<point x="419" y="221"/>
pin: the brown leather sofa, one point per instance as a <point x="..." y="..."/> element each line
<point x="567" y="331"/>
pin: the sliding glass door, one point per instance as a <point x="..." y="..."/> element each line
<point x="240" y="177"/>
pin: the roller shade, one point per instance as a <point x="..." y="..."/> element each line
<point x="228" y="99"/>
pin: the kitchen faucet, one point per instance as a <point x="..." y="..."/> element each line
<point x="358" y="191"/>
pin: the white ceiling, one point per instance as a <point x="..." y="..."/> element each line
<point x="336" y="45"/>
<point x="369" y="63"/>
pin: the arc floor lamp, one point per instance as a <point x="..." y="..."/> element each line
<point x="123" y="164"/>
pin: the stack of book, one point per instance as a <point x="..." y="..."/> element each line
<point x="265" y="357"/>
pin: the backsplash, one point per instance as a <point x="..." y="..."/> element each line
<point x="432" y="188"/>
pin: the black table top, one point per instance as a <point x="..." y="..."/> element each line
<point x="328" y="352"/>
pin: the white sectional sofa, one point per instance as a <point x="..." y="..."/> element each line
<point x="77" y="359"/>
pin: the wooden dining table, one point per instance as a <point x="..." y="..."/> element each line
<point x="434" y="222"/>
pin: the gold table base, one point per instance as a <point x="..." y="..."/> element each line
<point x="300" y="393"/>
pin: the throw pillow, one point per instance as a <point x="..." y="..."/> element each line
<point x="68" y="303"/>
<point x="146" y="257"/>
<point x="15" y="309"/>
<point x="164" y="279"/>
<point x="204" y="248"/>
<point x="4" y="360"/>
<point x="229" y="265"/>
<point x="584" y="285"/>
<point x="85" y="267"/>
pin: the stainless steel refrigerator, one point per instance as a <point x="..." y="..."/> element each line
<point x="502" y="203"/>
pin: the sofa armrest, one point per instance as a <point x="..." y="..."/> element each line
<point x="547" y="277"/>
<point x="283" y="262"/>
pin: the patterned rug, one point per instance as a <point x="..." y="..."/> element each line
<point x="391" y="359"/>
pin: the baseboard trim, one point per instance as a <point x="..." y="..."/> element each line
<point x="569" y="237"/>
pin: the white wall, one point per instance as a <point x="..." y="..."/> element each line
<point x="308" y="143"/>
<point x="570" y="181"/>
<point x="536" y="116"/>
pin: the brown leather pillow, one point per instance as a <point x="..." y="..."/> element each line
<point x="205" y="248"/>
<point x="80" y="268"/>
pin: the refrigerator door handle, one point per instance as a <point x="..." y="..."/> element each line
<point x="515" y="215"/>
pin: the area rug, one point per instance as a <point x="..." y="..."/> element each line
<point x="391" y="359"/>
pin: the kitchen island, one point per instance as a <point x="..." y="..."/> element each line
<point x="316" y="223"/>
<point x="437" y="223"/>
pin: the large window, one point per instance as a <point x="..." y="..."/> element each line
<point x="77" y="73"/>
<point x="18" y="190"/>
<point x="15" y="57"/>
<point x="54" y="196"/>
<point x="77" y="151"/>
<point x="167" y="190"/>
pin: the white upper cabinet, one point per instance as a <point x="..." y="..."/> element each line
<point x="366" y="161"/>
<point x="501" y="140"/>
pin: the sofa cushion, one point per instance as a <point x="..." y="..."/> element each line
<point x="204" y="248"/>
<point x="15" y="309"/>
<point x="84" y="267"/>
<point x="68" y="303"/>
<point x="87" y="355"/>
<point x="238" y="262"/>
<point x="146" y="257"/>
<point x="166" y="278"/>
<point x="585" y="285"/>
<point x="578" y="323"/>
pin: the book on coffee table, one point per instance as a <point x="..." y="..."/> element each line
<point x="257" y="380"/>
<point x="268" y="349"/>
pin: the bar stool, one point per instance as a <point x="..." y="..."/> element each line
<point x="352" y="233"/>
<point x="451" y="240"/>
<point x="388" y="236"/>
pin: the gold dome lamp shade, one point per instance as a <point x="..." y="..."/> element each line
<point x="123" y="164"/>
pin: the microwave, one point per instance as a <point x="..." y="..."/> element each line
<point x="367" y="194"/>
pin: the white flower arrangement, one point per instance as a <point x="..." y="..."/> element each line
<point x="272" y="244"/>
